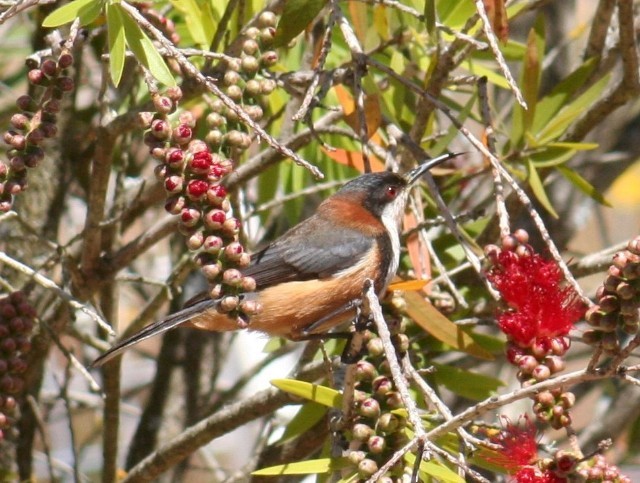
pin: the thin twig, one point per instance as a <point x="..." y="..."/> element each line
<point x="52" y="286"/>
<point x="495" y="48"/>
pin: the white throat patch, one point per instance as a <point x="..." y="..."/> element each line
<point x="391" y="219"/>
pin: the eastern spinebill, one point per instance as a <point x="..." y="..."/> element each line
<point x="309" y="280"/>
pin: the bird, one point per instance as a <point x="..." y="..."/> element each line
<point x="310" y="279"/>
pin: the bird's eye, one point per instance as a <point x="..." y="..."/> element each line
<point x="391" y="192"/>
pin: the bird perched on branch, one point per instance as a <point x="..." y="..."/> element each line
<point x="310" y="279"/>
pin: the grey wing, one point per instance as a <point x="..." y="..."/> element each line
<point x="304" y="254"/>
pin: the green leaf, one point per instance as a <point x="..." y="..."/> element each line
<point x="198" y="20"/>
<point x="86" y="10"/>
<point x="431" y="320"/>
<point x="430" y="16"/>
<point x="117" y="48"/>
<point x="481" y="70"/>
<point x="554" y="154"/>
<point x="144" y="49"/>
<point x="435" y="469"/>
<point x="308" y="415"/>
<point x="313" y="392"/>
<point x="559" y="123"/>
<point x="538" y="189"/>
<point x="583" y="185"/>
<point x="466" y="383"/>
<point x="310" y="467"/>
<point x="551" y="104"/>
<point x="297" y="14"/>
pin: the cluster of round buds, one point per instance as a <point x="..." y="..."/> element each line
<point x="616" y="313"/>
<point x="191" y="172"/>
<point x="35" y="123"/>
<point x="552" y="407"/>
<point x="245" y="83"/>
<point x="377" y="430"/>
<point x="159" y="21"/>
<point x="16" y="324"/>
<point x="598" y="470"/>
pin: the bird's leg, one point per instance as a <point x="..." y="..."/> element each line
<point x="356" y="347"/>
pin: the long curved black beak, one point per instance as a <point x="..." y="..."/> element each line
<point x="415" y="174"/>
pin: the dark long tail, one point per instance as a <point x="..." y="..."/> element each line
<point x="192" y="309"/>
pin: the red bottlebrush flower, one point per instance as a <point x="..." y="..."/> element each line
<point x="531" y="474"/>
<point x="540" y="307"/>
<point x="518" y="445"/>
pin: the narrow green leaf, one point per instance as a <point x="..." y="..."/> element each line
<point x="308" y="415"/>
<point x="466" y="383"/>
<point x="313" y="392"/>
<point x="430" y="16"/>
<point x="297" y="14"/>
<point x="310" y="467"/>
<point x="435" y="469"/>
<point x="86" y="10"/>
<point x="555" y="154"/>
<point x="561" y="122"/>
<point x="116" y="44"/>
<point x="431" y="320"/>
<point x="144" y="49"/>
<point x="538" y="189"/>
<point x="551" y="104"/>
<point x="583" y="185"/>
<point x="480" y="69"/>
<point x="194" y="18"/>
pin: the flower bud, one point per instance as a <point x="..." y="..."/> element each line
<point x="369" y="408"/>
<point x="173" y="184"/>
<point x="162" y="104"/>
<point x="362" y="432"/>
<point x="367" y="467"/>
<point x="267" y="19"/>
<point x="215" y="219"/>
<point x="375" y="347"/>
<point x="189" y="217"/>
<point x="197" y="189"/>
<point x="376" y="444"/>
<point x="541" y="373"/>
<point x="382" y="386"/>
<point x="229" y="303"/>
<point x="211" y="271"/>
<point x="250" y="307"/>
<point x="233" y="251"/>
<point x="388" y="423"/>
<point x="175" y="204"/>
<point x="232" y="277"/>
<point x="182" y="134"/>
<point x="365" y="371"/>
<point x="212" y="244"/>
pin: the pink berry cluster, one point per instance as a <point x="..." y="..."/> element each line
<point x="598" y="470"/>
<point x="191" y="172"/>
<point x="540" y="311"/>
<point x="16" y="324"/>
<point x="34" y="124"/>
<point x="616" y="313"/>
<point x="244" y="82"/>
<point x="377" y="430"/>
